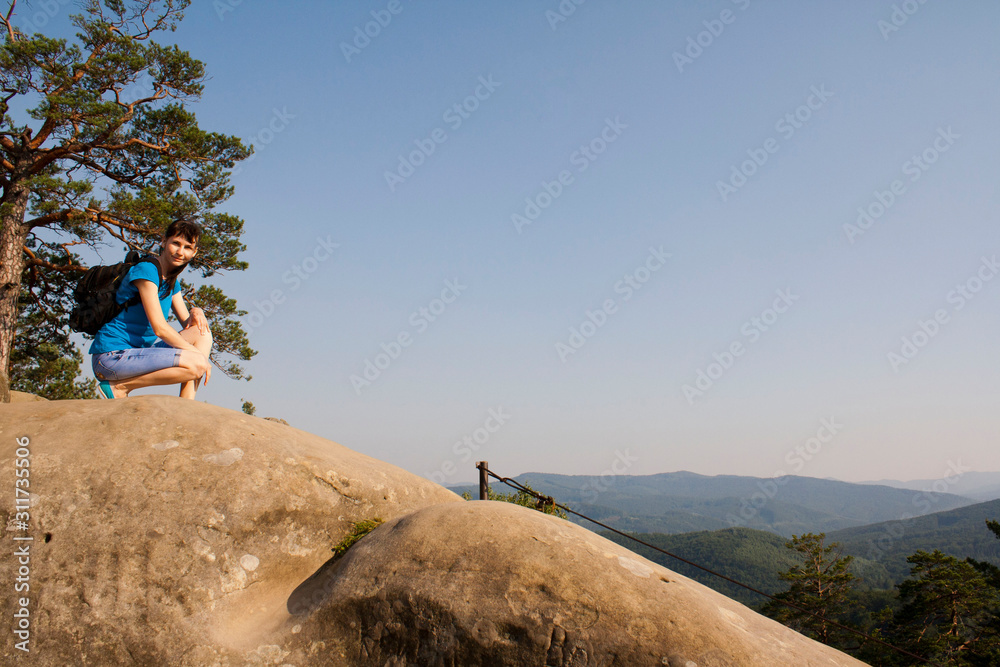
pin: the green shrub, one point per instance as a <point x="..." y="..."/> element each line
<point x="358" y="530"/>
<point x="523" y="499"/>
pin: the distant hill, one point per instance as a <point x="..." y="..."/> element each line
<point x="986" y="493"/>
<point x="753" y="557"/>
<point x="756" y="557"/>
<point x="683" y="502"/>
<point x="961" y="533"/>
<point x="981" y="486"/>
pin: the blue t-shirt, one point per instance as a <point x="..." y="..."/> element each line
<point x="131" y="328"/>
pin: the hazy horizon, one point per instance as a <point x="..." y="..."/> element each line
<point x="475" y="481"/>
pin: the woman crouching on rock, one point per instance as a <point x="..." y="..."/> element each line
<point x="138" y="348"/>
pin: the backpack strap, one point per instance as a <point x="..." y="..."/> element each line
<point x="159" y="281"/>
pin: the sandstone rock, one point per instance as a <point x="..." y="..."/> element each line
<point x="172" y="532"/>
<point x="24" y="397"/>
<point x="489" y="583"/>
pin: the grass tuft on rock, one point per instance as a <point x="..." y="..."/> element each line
<point x="358" y="530"/>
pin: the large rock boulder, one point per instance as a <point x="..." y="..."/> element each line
<point x="169" y="532"/>
<point x="172" y="532"/>
<point x="489" y="583"/>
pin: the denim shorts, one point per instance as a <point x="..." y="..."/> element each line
<point x="125" y="364"/>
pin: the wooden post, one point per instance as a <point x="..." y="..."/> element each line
<point x="484" y="480"/>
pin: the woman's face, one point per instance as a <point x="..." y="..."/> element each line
<point x="178" y="251"/>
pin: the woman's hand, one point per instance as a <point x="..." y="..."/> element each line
<point x="197" y="319"/>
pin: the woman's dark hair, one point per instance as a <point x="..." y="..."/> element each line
<point x="186" y="229"/>
<point x="189" y="229"/>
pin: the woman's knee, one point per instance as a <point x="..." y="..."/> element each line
<point x="202" y="341"/>
<point x="195" y="362"/>
<point x="205" y="342"/>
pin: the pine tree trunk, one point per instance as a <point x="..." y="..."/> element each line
<point x="13" y="233"/>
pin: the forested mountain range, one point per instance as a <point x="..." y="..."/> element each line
<point x="960" y="532"/>
<point x="756" y="557"/>
<point x="682" y="502"/>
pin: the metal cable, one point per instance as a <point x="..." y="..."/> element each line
<point x="548" y="500"/>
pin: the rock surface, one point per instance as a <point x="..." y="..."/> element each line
<point x="490" y="583"/>
<point x="173" y="532"/>
<point x="170" y="532"/>
<point x="24" y="397"/>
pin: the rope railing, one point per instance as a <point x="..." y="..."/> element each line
<point x="485" y="473"/>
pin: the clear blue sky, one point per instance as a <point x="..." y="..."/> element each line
<point x="834" y="105"/>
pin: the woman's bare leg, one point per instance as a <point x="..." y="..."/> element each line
<point x="204" y="344"/>
<point x="188" y="374"/>
<point x="175" y="375"/>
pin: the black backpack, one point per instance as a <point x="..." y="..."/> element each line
<point x="95" y="294"/>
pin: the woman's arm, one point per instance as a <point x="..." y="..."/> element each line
<point x="195" y="318"/>
<point x="150" y="298"/>
<point x="180" y="309"/>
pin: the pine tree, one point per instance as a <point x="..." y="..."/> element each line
<point x="821" y="586"/>
<point x="107" y="154"/>
<point x="989" y="570"/>
<point x="949" y="612"/>
<point x="45" y="361"/>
